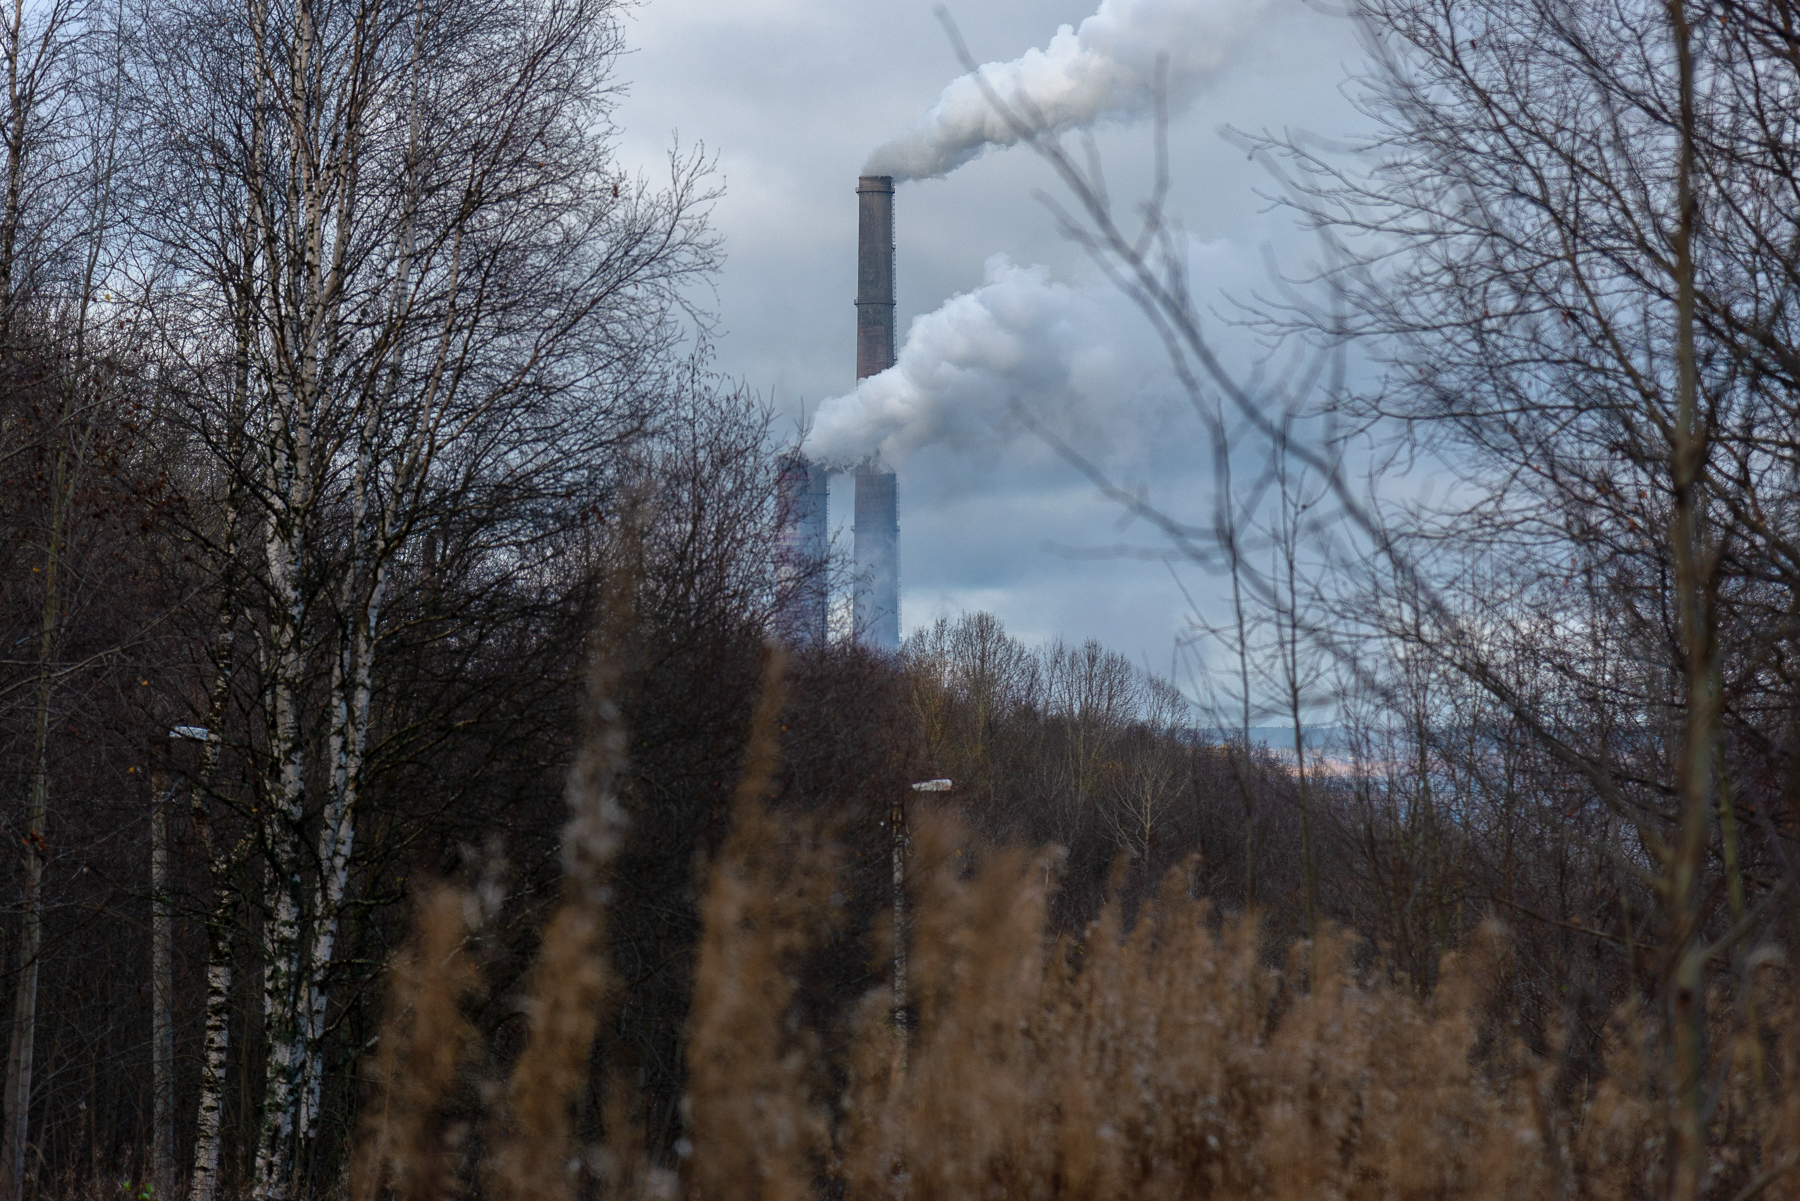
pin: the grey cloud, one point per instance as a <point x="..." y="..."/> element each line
<point x="780" y="89"/>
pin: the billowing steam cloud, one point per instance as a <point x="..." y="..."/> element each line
<point x="1107" y="68"/>
<point x="1071" y="355"/>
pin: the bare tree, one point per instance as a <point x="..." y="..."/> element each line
<point x="1297" y="668"/>
<point x="412" y="296"/>
<point x="1580" y="198"/>
<point x="60" y="254"/>
<point x="1575" y="254"/>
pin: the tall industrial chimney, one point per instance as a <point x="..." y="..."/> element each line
<point x="800" y="553"/>
<point x="876" y="593"/>
<point x="874" y="275"/>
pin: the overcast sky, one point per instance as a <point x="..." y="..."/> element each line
<point x="792" y="95"/>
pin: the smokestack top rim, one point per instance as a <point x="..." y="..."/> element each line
<point x="874" y="183"/>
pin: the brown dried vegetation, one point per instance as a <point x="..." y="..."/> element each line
<point x="1168" y="1053"/>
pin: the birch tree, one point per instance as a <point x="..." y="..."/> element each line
<point x="449" y="308"/>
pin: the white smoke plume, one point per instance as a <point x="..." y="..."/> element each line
<point x="1105" y="69"/>
<point x="1077" y="357"/>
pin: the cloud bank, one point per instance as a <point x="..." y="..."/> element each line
<point x="1104" y="69"/>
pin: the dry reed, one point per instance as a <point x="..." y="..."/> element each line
<point x="1169" y="1060"/>
<point x="531" y="1141"/>
<point x="1164" y="1058"/>
<point x="425" y="1037"/>
<point x="756" y="1129"/>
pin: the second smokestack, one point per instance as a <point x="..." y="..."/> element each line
<point x="876" y="593"/>
<point x="876" y="596"/>
<point x="801" y="581"/>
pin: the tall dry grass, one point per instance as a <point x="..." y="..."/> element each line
<point x="1169" y="1056"/>
<point x="1170" y="1060"/>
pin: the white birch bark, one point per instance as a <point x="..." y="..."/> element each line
<point x="303" y="248"/>
<point x="347" y="429"/>
<point x="222" y="864"/>
<point x="221" y="926"/>
<point x="162" y="998"/>
<point x="377" y="534"/>
<point x="215" y="1042"/>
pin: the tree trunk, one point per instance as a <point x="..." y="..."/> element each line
<point x="1685" y="889"/>
<point x="31" y="936"/>
<point x="162" y="989"/>
<point x="221" y="864"/>
<point x="17" y="1106"/>
<point x="214" y="1045"/>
